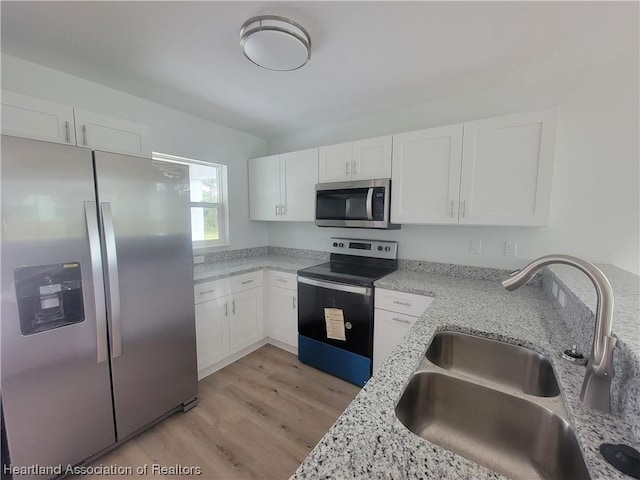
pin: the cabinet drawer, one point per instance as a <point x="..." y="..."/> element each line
<point x="204" y="292"/>
<point x="401" y="302"/>
<point x="283" y="280"/>
<point x="245" y="282"/>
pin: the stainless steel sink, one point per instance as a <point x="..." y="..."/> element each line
<point x="503" y="432"/>
<point x="499" y="362"/>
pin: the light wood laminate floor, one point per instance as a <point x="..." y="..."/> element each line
<point x="257" y="418"/>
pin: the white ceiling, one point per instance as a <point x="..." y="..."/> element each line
<point x="367" y="57"/>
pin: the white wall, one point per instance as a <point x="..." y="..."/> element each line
<point x="595" y="206"/>
<point x="173" y="132"/>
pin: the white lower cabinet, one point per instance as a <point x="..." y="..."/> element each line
<point x="282" y="319"/>
<point x="212" y="332"/>
<point x="229" y="318"/>
<point x="395" y="313"/>
<point x="245" y="319"/>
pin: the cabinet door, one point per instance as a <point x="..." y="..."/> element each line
<point x="426" y="175"/>
<point x="29" y="117"/>
<point x="264" y="188"/>
<point x="212" y="332"/>
<point x="372" y="158"/>
<point x="109" y="134"/>
<point x="507" y="165"/>
<point x="334" y="163"/>
<point x="298" y="194"/>
<point x="389" y="330"/>
<point x="283" y="315"/>
<point x="245" y="324"/>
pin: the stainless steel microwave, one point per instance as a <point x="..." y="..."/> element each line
<point x="357" y="204"/>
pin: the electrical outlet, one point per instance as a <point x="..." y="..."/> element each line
<point x="554" y="289"/>
<point x="198" y="259"/>
<point x="562" y="299"/>
<point x="510" y="248"/>
<point x="475" y="247"/>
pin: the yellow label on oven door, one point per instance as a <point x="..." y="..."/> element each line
<point x="334" y="320"/>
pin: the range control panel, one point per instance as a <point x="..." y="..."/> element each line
<point x="364" y="248"/>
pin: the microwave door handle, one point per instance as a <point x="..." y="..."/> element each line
<point x="370" y="204"/>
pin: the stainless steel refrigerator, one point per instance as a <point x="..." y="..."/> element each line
<point x="98" y="329"/>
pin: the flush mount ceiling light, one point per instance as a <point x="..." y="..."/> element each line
<point x="275" y="43"/>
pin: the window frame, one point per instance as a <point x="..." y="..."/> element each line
<point x="202" y="246"/>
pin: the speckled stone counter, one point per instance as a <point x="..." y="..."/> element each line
<point x="368" y="441"/>
<point x="207" y="272"/>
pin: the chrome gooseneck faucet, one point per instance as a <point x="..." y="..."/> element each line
<point x="596" y="388"/>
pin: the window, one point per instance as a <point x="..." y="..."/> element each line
<point x="208" y="192"/>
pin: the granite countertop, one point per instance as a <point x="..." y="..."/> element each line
<point x="368" y="441"/>
<point x="207" y="272"/>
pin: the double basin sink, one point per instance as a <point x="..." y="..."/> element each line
<point x="494" y="403"/>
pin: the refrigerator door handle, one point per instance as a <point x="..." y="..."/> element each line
<point x="112" y="278"/>
<point x="91" y="216"/>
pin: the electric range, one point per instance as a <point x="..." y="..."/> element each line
<point x="336" y="304"/>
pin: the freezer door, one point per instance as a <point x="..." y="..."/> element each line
<point x="145" y="214"/>
<point x="56" y="391"/>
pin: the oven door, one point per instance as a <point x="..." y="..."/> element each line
<point x="335" y="328"/>
<point x="319" y="298"/>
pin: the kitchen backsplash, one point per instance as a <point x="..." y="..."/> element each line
<point x="464" y="271"/>
<point x="233" y="254"/>
<point x="578" y="315"/>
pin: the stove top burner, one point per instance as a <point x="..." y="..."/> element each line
<point x="356" y="262"/>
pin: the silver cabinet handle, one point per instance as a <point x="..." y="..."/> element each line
<point x="294" y="302"/>
<point x="464" y="208"/>
<point x="347" y="167"/>
<point x="355" y="167"/>
<point x="277" y="211"/>
<point x="91" y="216"/>
<point x="281" y="280"/>
<point x="400" y="320"/>
<point x="84" y="134"/>
<point x="207" y="291"/>
<point x="452" y="208"/>
<point x="226" y="309"/>
<point x="233" y="307"/>
<point x="66" y="127"/>
<point x="283" y="209"/>
<point x="406" y="304"/>
<point x="113" y="281"/>
<point x="246" y="282"/>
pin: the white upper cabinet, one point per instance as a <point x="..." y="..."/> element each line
<point x="100" y="132"/>
<point x="361" y="160"/>
<point x="371" y="158"/>
<point x="282" y="187"/>
<point x="264" y="188"/>
<point x="298" y="185"/>
<point x="29" y="117"/>
<point x="426" y="175"/>
<point x="335" y="163"/>
<point x="507" y="169"/>
<point x="496" y="171"/>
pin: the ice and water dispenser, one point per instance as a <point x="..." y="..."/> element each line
<point x="49" y="296"/>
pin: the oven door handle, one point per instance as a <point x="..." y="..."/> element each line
<point x="341" y="287"/>
<point x="370" y="204"/>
